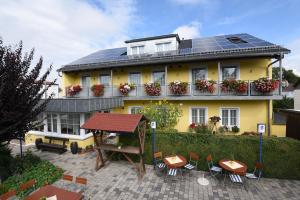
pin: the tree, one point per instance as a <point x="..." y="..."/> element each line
<point x="164" y="113"/>
<point x="288" y="75"/>
<point x="21" y="89"/>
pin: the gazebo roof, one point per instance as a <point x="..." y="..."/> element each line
<point x="113" y="122"/>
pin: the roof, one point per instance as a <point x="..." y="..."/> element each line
<point x="113" y="122"/>
<point x="153" y="38"/>
<point x="208" y="48"/>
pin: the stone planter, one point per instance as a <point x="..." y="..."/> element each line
<point x="74" y="147"/>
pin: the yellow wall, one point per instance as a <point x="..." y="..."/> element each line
<point x="251" y="112"/>
<point x="30" y="139"/>
<point x="278" y="130"/>
<point x="250" y="69"/>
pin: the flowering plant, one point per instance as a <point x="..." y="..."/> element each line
<point x="205" y="86"/>
<point x="233" y="85"/>
<point x="73" y="90"/>
<point x="98" y="90"/>
<point x="199" y="128"/>
<point x="125" y="88"/>
<point x="265" y="85"/>
<point x="178" y="88"/>
<point x="152" y="89"/>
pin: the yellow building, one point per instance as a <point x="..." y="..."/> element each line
<point x="220" y="73"/>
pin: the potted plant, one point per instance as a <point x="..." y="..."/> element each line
<point x="73" y="90"/>
<point x="125" y="88"/>
<point x="89" y="148"/>
<point x="152" y="89"/>
<point x="205" y="85"/>
<point x="178" y="87"/>
<point x="98" y="90"/>
<point x="74" y="147"/>
<point x="265" y="85"/>
<point x="236" y="86"/>
<point x="38" y="141"/>
<point x="235" y="129"/>
<point x="119" y="145"/>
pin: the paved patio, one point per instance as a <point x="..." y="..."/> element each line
<point x="118" y="180"/>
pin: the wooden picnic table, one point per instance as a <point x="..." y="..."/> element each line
<point x="50" y="190"/>
<point x="175" y="165"/>
<point x="240" y="171"/>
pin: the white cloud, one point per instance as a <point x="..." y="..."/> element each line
<point x="189" y="2"/>
<point x="189" y="31"/>
<point x="292" y="60"/>
<point x="62" y="31"/>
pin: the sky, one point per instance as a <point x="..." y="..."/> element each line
<point x="64" y="30"/>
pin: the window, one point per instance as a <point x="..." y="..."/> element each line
<point x="52" y="122"/>
<point x="229" y="117"/>
<point x="70" y="124"/>
<point x="135" y="110"/>
<point x="137" y="50"/>
<point x="236" y="40"/>
<point x="229" y="72"/>
<point x="159" y="77"/>
<point x="105" y="79"/>
<point x="163" y="47"/>
<point x="85" y="81"/>
<point x="135" y="78"/>
<point x="39" y="123"/>
<point x="198" y="74"/>
<point x="86" y="117"/>
<point x="199" y="115"/>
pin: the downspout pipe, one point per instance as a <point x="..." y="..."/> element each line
<point x="272" y="63"/>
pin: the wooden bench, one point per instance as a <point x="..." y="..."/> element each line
<point x="60" y="148"/>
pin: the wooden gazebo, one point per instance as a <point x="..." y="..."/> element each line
<point x="118" y="123"/>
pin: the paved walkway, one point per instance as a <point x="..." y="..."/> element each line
<point x="118" y="180"/>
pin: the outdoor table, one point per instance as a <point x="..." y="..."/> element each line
<point x="50" y="190"/>
<point x="240" y="170"/>
<point x="177" y="164"/>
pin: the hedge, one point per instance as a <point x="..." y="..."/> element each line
<point x="281" y="156"/>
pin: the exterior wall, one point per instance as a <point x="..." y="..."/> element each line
<point x="250" y="69"/>
<point x="30" y="138"/>
<point x="297" y="99"/>
<point x="278" y="130"/>
<point x="251" y="112"/>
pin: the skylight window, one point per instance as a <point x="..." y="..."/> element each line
<point x="236" y="40"/>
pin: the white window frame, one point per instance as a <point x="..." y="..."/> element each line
<point x="198" y="67"/>
<point x="105" y="74"/>
<point x="137" y="72"/>
<point x="198" y="107"/>
<point x="162" y="70"/>
<point x="237" y="65"/>
<point x="138" y="51"/>
<point x="130" y="107"/>
<point x="85" y="75"/>
<point x="46" y="116"/>
<point x="163" y="46"/>
<point x="237" y="117"/>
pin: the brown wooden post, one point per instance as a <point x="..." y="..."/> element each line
<point x="99" y="157"/>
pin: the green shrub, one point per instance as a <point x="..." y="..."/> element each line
<point x="235" y="129"/>
<point x="280" y="155"/>
<point x="42" y="172"/>
<point x="6" y="161"/>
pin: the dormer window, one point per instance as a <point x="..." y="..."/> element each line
<point x="137" y="50"/>
<point x="166" y="46"/>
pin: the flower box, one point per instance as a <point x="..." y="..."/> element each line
<point x="205" y="85"/>
<point x="98" y="90"/>
<point x="125" y="88"/>
<point x="152" y="89"/>
<point x="178" y="87"/>
<point x="73" y="90"/>
<point x="236" y="86"/>
<point x="265" y="85"/>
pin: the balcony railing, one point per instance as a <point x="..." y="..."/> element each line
<point x="191" y="91"/>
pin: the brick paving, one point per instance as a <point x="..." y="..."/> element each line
<point x="118" y="181"/>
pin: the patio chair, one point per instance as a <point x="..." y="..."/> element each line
<point x="173" y="172"/>
<point x="159" y="165"/>
<point x="256" y="174"/>
<point x="83" y="182"/>
<point x="193" y="163"/>
<point x="67" y="178"/>
<point x="237" y="178"/>
<point x="214" y="170"/>
<point x="27" y="187"/>
<point x="8" y="195"/>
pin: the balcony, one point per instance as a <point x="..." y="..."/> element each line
<point x="191" y="92"/>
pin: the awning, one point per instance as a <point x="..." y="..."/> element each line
<point x="113" y="122"/>
<point x="74" y="105"/>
